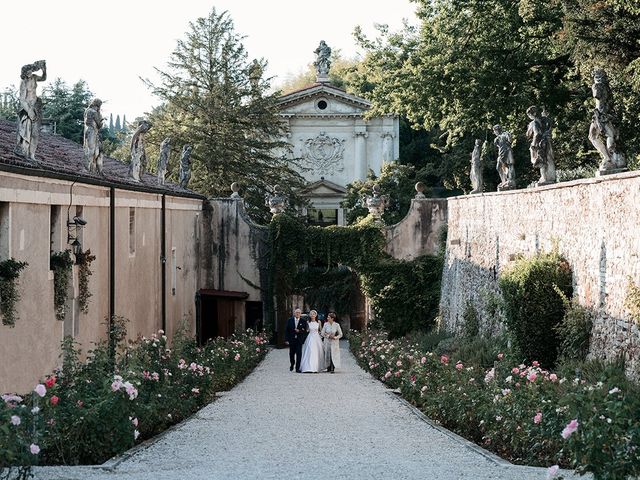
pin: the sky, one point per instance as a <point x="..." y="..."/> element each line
<point x="112" y="44"/>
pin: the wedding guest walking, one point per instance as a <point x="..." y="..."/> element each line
<point x="332" y="334"/>
<point x="295" y="335"/>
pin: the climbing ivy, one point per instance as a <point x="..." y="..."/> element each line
<point x="9" y="272"/>
<point x="83" y="260"/>
<point x="60" y="263"/>
<point x="328" y="265"/>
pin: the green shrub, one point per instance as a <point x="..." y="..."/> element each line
<point x="471" y="321"/>
<point x="428" y="341"/>
<point x="532" y="305"/>
<point x="574" y="331"/>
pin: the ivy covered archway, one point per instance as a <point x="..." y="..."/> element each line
<point x="328" y="265"/>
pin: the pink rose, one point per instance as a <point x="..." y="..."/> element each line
<point x="54" y="400"/>
<point x="40" y="390"/>
<point x="423" y="360"/>
<point x="237" y="357"/>
<point x="532" y="376"/>
<point x="500" y="356"/>
<point x="535" y="363"/>
<point x="538" y="418"/>
<point x="15" y="420"/>
<point x="50" y="382"/>
<point x="571" y="427"/>
<point x="515" y="370"/>
<point x="444" y="360"/>
<point x="459" y="366"/>
<point x="553" y="377"/>
<point x="34" y="449"/>
<point x="552" y="471"/>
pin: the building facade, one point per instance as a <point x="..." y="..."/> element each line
<point x="335" y="144"/>
<point x="145" y="238"/>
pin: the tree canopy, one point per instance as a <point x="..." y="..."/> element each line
<point x="217" y="100"/>
<point x="472" y="64"/>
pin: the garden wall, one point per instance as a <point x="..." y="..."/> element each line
<point x="418" y="233"/>
<point x="595" y="224"/>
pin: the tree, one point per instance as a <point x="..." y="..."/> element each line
<point x="215" y="99"/>
<point x="339" y="74"/>
<point x="396" y="181"/>
<point x="118" y="126"/>
<point x="9" y="103"/>
<point x="66" y="105"/>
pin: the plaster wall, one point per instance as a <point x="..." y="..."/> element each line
<point x="31" y="349"/>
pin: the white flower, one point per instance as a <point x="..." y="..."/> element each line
<point x="614" y="390"/>
<point x="35" y="410"/>
<point x="509" y="379"/>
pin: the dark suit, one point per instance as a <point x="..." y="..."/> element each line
<point x="296" y="339"/>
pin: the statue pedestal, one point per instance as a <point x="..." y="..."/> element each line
<point x="542" y="184"/>
<point x="322" y="78"/>
<point x="610" y="171"/>
<point x="503" y="188"/>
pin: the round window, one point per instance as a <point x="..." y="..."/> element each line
<point x="322" y="104"/>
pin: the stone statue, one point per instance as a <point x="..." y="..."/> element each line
<point x="603" y="132"/>
<point x="185" y="166"/>
<point x="163" y="159"/>
<point x="376" y="203"/>
<point x="539" y="132"/>
<point x="30" y="109"/>
<point x="277" y="202"/>
<point x="476" y="168"/>
<point x="138" y="154"/>
<point x="91" y="144"/>
<point x="387" y="147"/>
<point x="323" y="62"/>
<point x="505" y="159"/>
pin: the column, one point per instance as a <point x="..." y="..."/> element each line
<point x="361" y="166"/>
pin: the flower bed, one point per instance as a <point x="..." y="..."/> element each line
<point x="87" y="412"/>
<point x="521" y="412"/>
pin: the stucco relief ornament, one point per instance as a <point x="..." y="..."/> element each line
<point x="277" y="202"/>
<point x="324" y="154"/>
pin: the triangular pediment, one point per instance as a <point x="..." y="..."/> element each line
<point x="324" y="188"/>
<point x="309" y="101"/>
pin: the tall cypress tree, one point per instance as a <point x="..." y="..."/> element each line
<point x="118" y="126"/>
<point x="216" y="99"/>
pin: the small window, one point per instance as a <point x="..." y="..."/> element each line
<point x="322" y="217"/>
<point x="322" y="104"/>
<point x="132" y="231"/>
<point x="5" y="231"/>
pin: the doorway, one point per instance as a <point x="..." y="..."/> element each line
<point x="220" y="313"/>
<point x="253" y="316"/>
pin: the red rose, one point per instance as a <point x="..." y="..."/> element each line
<point x="54" y="400"/>
<point x="50" y="381"/>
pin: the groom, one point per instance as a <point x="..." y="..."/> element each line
<point x="295" y="335"/>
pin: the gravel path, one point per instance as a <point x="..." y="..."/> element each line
<point x="278" y="425"/>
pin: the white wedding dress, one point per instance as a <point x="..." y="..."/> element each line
<point x="312" y="350"/>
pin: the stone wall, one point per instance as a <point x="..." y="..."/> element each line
<point x="418" y="233"/>
<point x="595" y="224"/>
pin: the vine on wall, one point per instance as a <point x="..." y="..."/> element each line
<point x="61" y="264"/>
<point x="83" y="260"/>
<point x="404" y="294"/>
<point x="9" y="295"/>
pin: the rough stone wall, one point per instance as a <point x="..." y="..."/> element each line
<point x="418" y="233"/>
<point x="595" y="224"/>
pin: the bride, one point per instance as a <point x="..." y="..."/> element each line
<point x="312" y="350"/>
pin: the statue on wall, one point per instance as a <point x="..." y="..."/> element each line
<point x="539" y="132"/>
<point x="376" y="203"/>
<point x="138" y="154"/>
<point x="505" y="159"/>
<point x="185" y="166"/>
<point x="92" y="146"/>
<point x="277" y="202"/>
<point x="323" y="62"/>
<point x="603" y="132"/>
<point x="163" y="159"/>
<point x="30" y="110"/>
<point x="476" y="168"/>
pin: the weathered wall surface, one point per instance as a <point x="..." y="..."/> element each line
<point x="595" y="223"/>
<point x="28" y="233"/>
<point x="235" y="250"/>
<point x="418" y="232"/>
